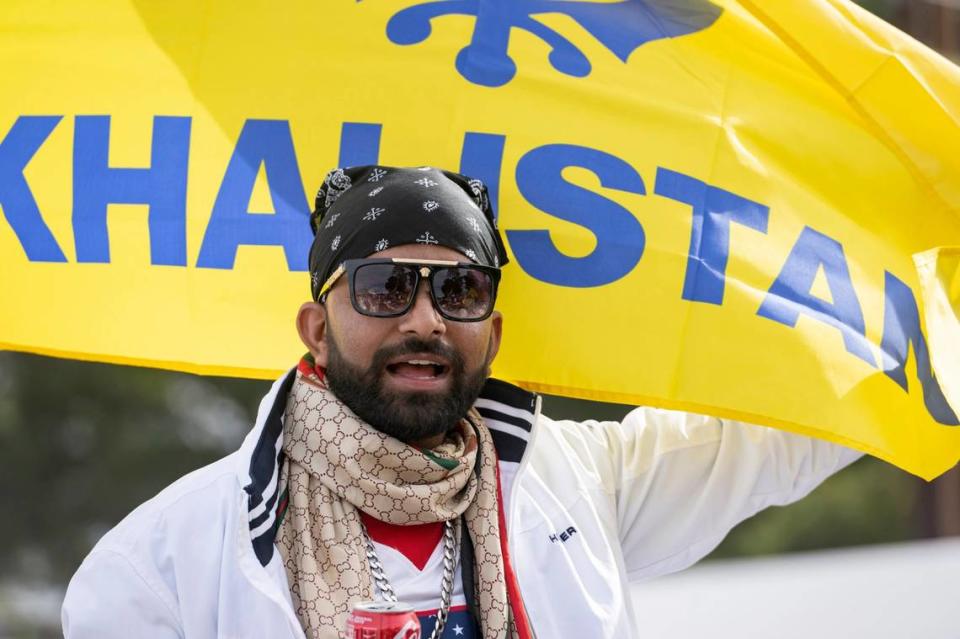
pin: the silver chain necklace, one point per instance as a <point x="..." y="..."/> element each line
<point x="451" y="555"/>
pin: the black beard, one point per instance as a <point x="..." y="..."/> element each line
<point x="409" y="417"/>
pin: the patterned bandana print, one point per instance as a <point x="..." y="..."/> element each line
<point x="336" y="464"/>
<point x="363" y="210"/>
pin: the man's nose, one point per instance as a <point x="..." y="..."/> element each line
<point x="423" y="319"/>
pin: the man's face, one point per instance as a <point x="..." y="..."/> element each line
<point x="413" y="376"/>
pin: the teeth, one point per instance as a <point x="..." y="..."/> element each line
<point x="421" y="362"/>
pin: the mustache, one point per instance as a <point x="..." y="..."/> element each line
<point x="417" y="345"/>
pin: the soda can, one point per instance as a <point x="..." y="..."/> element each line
<point x="382" y="620"/>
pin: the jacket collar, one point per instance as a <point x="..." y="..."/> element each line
<point x="509" y="412"/>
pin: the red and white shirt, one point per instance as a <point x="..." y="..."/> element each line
<point x="412" y="558"/>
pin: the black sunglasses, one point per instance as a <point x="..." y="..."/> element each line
<point x="387" y="287"/>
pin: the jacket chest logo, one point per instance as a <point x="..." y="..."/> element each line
<point x="563" y="535"/>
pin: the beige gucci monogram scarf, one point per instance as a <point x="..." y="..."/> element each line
<point x="337" y="464"/>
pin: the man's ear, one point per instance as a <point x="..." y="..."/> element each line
<point x="312" y="326"/>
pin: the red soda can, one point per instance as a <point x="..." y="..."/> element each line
<point x="382" y="620"/>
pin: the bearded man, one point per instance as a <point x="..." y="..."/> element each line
<point x="388" y="464"/>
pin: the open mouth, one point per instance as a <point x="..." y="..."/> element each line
<point x="418" y="369"/>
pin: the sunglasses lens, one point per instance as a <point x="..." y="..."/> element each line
<point x="463" y="293"/>
<point x="384" y="289"/>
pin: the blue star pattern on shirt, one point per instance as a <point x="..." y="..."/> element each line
<point x="621" y="27"/>
<point x="459" y="625"/>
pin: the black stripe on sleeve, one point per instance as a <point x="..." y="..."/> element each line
<point x="263" y="461"/>
<point x="497" y="416"/>
<point x="509" y="447"/>
<point x="506" y="393"/>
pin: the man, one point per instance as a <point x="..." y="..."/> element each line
<point x="387" y="465"/>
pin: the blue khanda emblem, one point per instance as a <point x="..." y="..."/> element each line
<point x="621" y="27"/>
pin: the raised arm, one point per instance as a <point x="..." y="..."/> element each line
<point x="681" y="481"/>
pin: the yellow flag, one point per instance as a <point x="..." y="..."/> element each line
<point x="743" y="208"/>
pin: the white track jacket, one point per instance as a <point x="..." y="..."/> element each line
<point x="590" y="508"/>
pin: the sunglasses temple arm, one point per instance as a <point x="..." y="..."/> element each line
<point x="330" y="281"/>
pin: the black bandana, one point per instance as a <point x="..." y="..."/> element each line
<point x="362" y="210"/>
